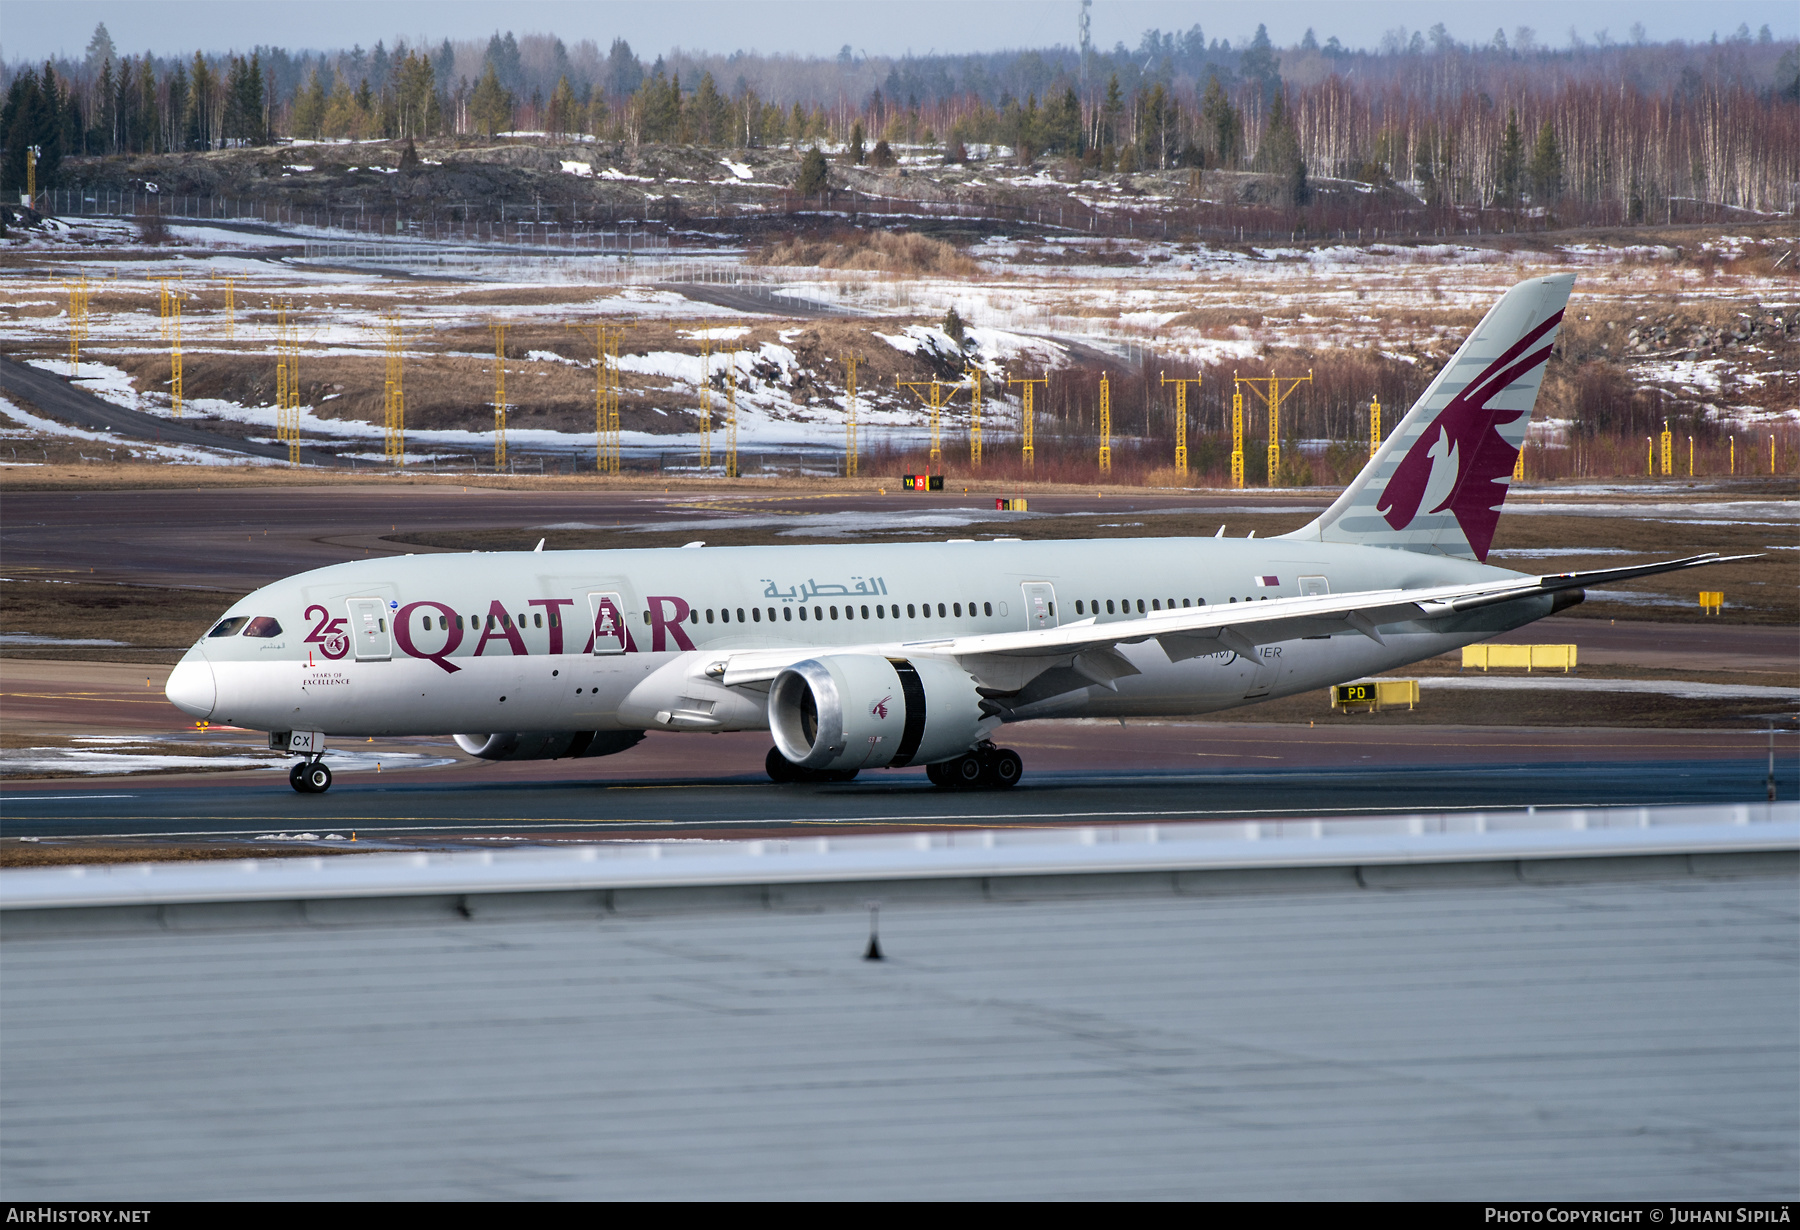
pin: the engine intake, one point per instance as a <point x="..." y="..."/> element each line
<point x="860" y="711"/>
<point x="548" y="745"/>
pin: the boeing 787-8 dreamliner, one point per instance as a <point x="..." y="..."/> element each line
<point x="867" y="657"/>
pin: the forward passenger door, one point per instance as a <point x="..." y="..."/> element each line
<point x="1040" y="605"/>
<point x="369" y="630"/>
<point x="609" y="622"/>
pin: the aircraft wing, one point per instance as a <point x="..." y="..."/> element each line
<point x="1007" y="660"/>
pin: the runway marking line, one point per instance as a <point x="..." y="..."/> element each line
<point x="122" y="696"/>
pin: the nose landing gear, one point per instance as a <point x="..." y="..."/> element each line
<point x="310" y="777"/>
<point x="984" y="768"/>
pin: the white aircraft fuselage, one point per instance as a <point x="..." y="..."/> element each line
<point x="463" y="643"/>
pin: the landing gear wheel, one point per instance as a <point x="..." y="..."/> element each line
<point x="317" y="778"/>
<point x="1005" y="768"/>
<point x="780" y="768"/>
<point x="297" y="777"/>
<point x="968" y="771"/>
<point x="939" y="774"/>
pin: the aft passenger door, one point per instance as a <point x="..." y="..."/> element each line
<point x="1040" y="605"/>
<point x="609" y="622"/>
<point x="369" y="630"/>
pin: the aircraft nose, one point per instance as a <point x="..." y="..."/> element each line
<point x="190" y="687"/>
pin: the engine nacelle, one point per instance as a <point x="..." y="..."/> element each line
<point x="861" y="711"/>
<point x="548" y="745"/>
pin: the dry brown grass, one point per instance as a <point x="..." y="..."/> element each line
<point x="874" y="251"/>
<point x="64" y="854"/>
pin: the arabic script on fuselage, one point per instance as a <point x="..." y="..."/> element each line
<point x="809" y="589"/>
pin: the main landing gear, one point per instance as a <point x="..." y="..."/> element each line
<point x="310" y="777"/>
<point x="984" y="768"/>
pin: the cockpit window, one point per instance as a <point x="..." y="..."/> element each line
<point x="229" y="627"/>
<point x="264" y="626"/>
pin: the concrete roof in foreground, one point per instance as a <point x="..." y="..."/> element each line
<point x="1059" y="850"/>
<point x="1617" y="1026"/>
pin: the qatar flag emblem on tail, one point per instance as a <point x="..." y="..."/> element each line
<point x="1437" y="484"/>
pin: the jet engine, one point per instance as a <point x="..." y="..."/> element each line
<point x="860" y="711"/>
<point x="548" y="745"/>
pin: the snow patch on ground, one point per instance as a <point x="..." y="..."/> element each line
<point x="580" y="170"/>
<point x="178" y="454"/>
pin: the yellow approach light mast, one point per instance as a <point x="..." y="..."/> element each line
<point x="1181" y="418"/>
<point x="165" y="297"/>
<point x="1668" y="450"/>
<point x="175" y="354"/>
<point x="705" y="402"/>
<point x="850" y="455"/>
<point x="974" y="375"/>
<point x="731" y="464"/>
<point x="1026" y="415"/>
<point x="1374" y="425"/>
<point x="931" y="393"/>
<point x="1237" y="434"/>
<point x="78" y="322"/>
<point x="1105" y="425"/>
<point x="230" y="282"/>
<point x="394" y="404"/>
<point x="1273" y="399"/>
<point x="607" y="340"/>
<point x="287" y="382"/>
<point x="499" y="332"/>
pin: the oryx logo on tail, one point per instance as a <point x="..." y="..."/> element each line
<point x="1456" y="463"/>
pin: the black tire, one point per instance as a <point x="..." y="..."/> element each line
<point x="297" y="777"/>
<point x="1006" y="768"/>
<point x="939" y="773"/>
<point x="318" y="778"/>
<point x="968" y="771"/>
<point x="779" y="767"/>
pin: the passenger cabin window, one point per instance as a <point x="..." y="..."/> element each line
<point x="1109" y="606"/>
<point x="229" y="627"/>
<point x="265" y="627"/>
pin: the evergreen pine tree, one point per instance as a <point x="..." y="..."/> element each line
<point x="491" y="107"/>
<point x="1512" y="160"/>
<point x="814" y="175"/>
<point x="307" y="118"/>
<point x="1546" y="167"/>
